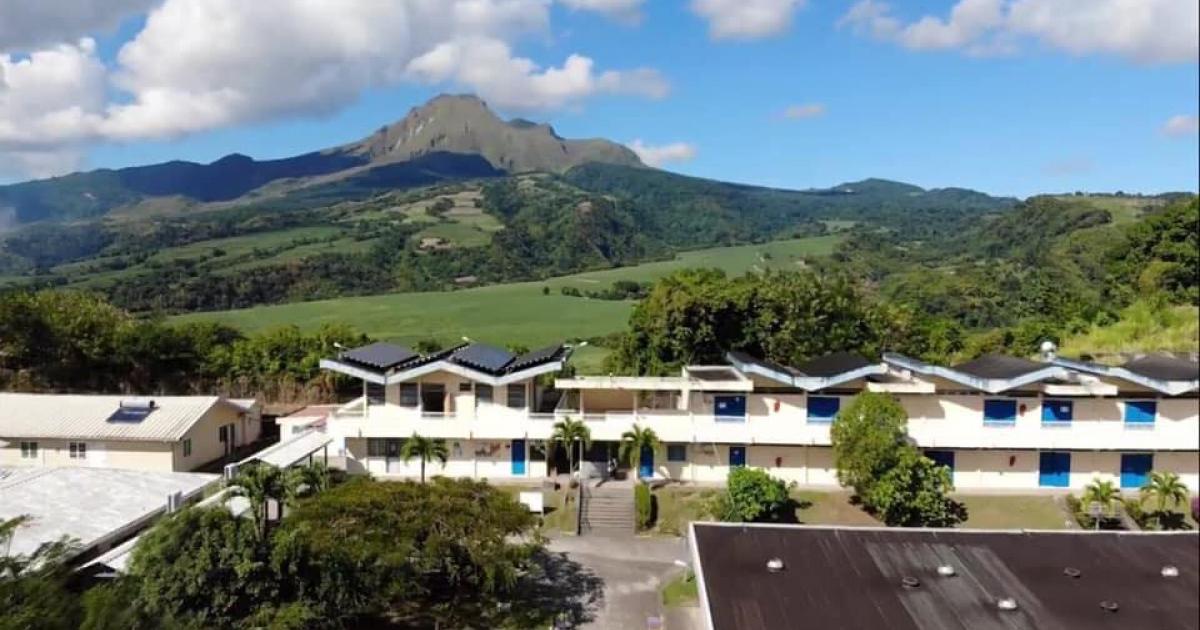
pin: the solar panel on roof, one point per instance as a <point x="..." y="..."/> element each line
<point x="380" y="355"/>
<point x="535" y="357"/>
<point x="484" y="356"/>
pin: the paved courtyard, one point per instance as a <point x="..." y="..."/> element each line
<point x="633" y="570"/>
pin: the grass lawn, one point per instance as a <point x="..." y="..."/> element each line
<point x="679" y="506"/>
<point x="832" y="507"/>
<point x="1013" y="512"/>
<point x="560" y="515"/>
<point x="681" y="591"/>
<point x="510" y="313"/>
<point x="460" y="234"/>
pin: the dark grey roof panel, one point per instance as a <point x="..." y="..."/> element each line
<point x="1164" y="368"/>
<point x="837" y="579"/>
<point x="536" y="357"/>
<point x="379" y="355"/>
<point x="483" y="357"/>
<point x="999" y="366"/>
<point x="833" y="364"/>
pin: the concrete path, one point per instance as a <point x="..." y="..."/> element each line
<point x="633" y="570"/>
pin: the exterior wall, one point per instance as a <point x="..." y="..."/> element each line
<point x="152" y="456"/>
<point x="205" y="436"/>
<point x="480" y="459"/>
<point x="995" y="470"/>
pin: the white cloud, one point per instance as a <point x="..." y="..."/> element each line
<point x="746" y="19"/>
<point x="1181" y="126"/>
<point x="657" y="155"/>
<point x="204" y="64"/>
<point x="807" y="110"/>
<point x="30" y="24"/>
<point x="488" y="67"/>
<point x="1146" y="31"/>
<point x="627" y="11"/>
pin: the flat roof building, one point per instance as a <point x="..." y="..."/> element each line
<point x="775" y="577"/>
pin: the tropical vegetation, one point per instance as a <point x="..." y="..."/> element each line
<point x="424" y="449"/>
<point x="634" y="442"/>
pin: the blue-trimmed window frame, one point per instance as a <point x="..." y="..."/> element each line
<point x="827" y="408"/>
<point x="990" y="419"/>
<point x="1140" y="414"/>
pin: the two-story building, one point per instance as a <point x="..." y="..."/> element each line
<point x="997" y="422"/>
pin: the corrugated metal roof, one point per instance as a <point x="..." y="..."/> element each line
<point x="67" y="416"/>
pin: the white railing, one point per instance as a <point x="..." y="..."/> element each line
<point x="680" y="426"/>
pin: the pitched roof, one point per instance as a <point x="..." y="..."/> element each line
<point x="478" y="357"/>
<point x="999" y="366"/>
<point x="833" y="364"/>
<point x="1164" y="368"/>
<point x="840" y="578"/>
<point x="82" y="416"/>
<point x="379" y="355"/>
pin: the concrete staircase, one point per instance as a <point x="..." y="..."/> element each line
<point x="607" y="511"/>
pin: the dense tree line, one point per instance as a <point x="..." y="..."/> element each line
<point x="71" y="341"/>
<point x="451" y="553"/>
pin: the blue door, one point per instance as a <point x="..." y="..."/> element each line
<point x="737" y="456"/>
<point x="646" y="463"/>
<point x="1054" y="469"/>
<point x="1135" y="469"/>
<point x="729" y="407"/>
<point x="1057" y="410"/>
<point x="942" y="458"/>
<point x="518" y="458"/>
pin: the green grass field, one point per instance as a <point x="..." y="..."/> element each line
<point x="515" y="313"/>
<point x="1141" y="328"/>
<point x="1123" y="209"/>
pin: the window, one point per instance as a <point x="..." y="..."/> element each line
<point x="187" y="447"/>
<point x="409" y="396"/>
<point x="516" y="396"/>
<point x="729" y="408"/>
<point x="677" y="452"/>
<point x="822" y="409"/>
<point x="1140" y="414"/>
<point x="1000" y="412"/>
<point x="29" y="450"/>
<point x="537" y="451"/>
<point x="1057" y="412"/>
<point x="380" y="447"/>
<point x="464" y="387"/>
<point x="483" y="393"/>
<point x="376" y="393"/>
<point x="78" y="450"/>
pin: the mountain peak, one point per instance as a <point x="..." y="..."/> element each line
<point x="463" y="123"/>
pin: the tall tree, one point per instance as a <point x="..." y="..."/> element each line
<point x="260" y="484"/>
<point x="572" y="433"/>
<point x="867" y="435"/>
<point x="425" y="449"/>
<point x="633" y="442"/>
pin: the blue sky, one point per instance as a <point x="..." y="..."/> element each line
<point x="986" y="94"/>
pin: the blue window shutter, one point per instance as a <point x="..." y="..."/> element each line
<point x="1140" y="411"/>
<point x="999" y="411"/>
<point x="823" y="407"/>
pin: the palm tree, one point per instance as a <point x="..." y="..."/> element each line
<point x="307" y="480"/>
<point x="634" y="441"/>
<point x="569" y="431"/>
<point x="428" y="449"/>
<point x="1166" y="489"/>
<point x="259" y="483"/>
<point x="1101" y="491"/>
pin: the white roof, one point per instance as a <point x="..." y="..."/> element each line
<point x="88" y="417"/>
<point x="92" y="505"/>
<point x="292" y="450"/>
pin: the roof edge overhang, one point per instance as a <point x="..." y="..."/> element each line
<point x="989" y="385"/>
<point x="810" y="383"/>
<point x="443" y="365"/>
<point x="1170" y="388"/>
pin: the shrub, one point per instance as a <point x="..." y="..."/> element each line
<point x="643" y="503"/>
<point x="752" y="495"/>
<point x="913" y="494"/>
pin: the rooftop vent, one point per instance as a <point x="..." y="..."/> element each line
<point x="1007" y="603"/>
<point x="141" y="404"/>
<point x="1072" y="572"/>
<point x="946" y="571"/>
<point x="1110" y="606"/>
<point x="1170" y="571"/>
<point x="1049" y="350"/>
<point x="775" y="565"/>
<point x="910" y="582"/>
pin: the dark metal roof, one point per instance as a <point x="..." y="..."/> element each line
<point x="852" y="578"/>
<point x="483" y="357"/>
<point x="379" y="355"/>
<point x="833" y="364"/>
<point x="742" y="357"/>
<point x="999" y="366"/>
<point x="1164" y="368"/>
